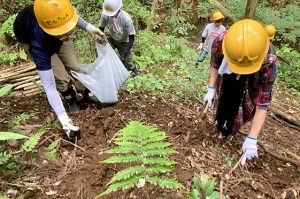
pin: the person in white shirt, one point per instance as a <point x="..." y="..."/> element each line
<point x="121" y="31"/>
<point x="211" y="31"/>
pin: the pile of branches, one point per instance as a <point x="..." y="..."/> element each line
<point x="24" y="78"/>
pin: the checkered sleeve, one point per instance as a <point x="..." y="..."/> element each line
<point x="216" y="51"/>
<point x="267" y="76"/>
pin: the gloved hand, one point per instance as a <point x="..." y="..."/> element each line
<point x="96" y="33"/>
<point x="249" y="148"/>
<point x="210" y="95"/>
<point x="200" y="47"/>
<point x="72" y="131"/>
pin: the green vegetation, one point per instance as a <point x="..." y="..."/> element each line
<point x="21" y="118"/>
<point x="6" y="89"/>
<point x="143" y="149"/>
<point x="6" y="155"/>
<point x="204" y="188"/>
<point x="51" y="150"/>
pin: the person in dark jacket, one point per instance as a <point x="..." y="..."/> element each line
<point x="47" y="27"/>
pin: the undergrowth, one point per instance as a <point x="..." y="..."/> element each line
<point x="142" y="148"/>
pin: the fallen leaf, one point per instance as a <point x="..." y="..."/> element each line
<point x="141" y="183"/>
<point x="12" y="193"/>
<point x="58" y="183"/>
<point x="51" y="193"/>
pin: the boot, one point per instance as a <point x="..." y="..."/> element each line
<point x="89" y="97"/>
<point x="135" y="72"/>
<point x="70" y="97"/>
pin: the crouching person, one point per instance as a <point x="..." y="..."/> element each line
<point x="243" y="90"/>
<point x="121" y="31"/>
<point x="46" y="27"/>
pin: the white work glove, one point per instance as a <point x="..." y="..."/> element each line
<point x="71" y="130"/>
<point x="211" y="91"/>
<point x="200" y="47"/>
<point x="249" y="149"/>
<point x="96" y="33"/>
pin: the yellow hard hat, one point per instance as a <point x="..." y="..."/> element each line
<point x="55" y="17"/>
<point x="271" y="30"/>
<point x="245" y="46"/>
<point x="217" y="15"/>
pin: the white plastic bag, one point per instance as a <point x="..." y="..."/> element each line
<point x="105" y="76"/>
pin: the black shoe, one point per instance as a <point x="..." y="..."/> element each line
<point x="89" y="97"/>
<point x="73" y="107"/>
<point x="73" y="136"/>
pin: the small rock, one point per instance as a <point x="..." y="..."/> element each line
<point x="51" y="193"/>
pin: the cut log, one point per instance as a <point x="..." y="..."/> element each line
<point x="33" y="86"/>
<point x="23" y="86"/>
<point x="32" y="94"/>
<point x="26" y="81"/>
<point x="30" y="91"/>
<point x="18" y="76"/>
<point x="22" y="70"/>
<point x="22" y="79"/>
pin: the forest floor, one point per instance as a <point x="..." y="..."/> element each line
<point x="78" y="173"/>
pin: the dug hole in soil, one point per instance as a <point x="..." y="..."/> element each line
<point x="79" y="174"/>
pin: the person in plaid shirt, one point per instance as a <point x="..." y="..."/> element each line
<point x="243" y="90"/>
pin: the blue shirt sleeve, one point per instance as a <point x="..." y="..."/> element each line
<point x="41" y="58"/>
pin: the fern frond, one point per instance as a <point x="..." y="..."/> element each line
<point x="124" y="150"/>
<point x="159" y="161"/>
<point x="127" y="144"/>
<point x="164" y="182"/>
<point x="124" y="184"/>
<point x="160" y="152"/>
<point x="11" y="136"/>
<point x="154" y="139"/>
<point x="31" y="143"/>
<point x="157" y="145"/>
<point x="4" y="157"/>
<point x="123" y="159"/>
<point x="127" y="173"/>
<point x="158" y="169"/>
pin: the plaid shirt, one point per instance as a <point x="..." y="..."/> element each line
<point x="259" y="86"/>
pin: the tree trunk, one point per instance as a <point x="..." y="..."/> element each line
<point x="152" y="15"/>
<point x="250" y="9"/>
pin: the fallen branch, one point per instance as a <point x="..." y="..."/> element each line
<point x="75" y="145"/>
<point x="31" y="91"/>
<point x="278" y="157"/>
<point x="289" y="153"/>
<point x="29" y="193"/>
<point x="22" y="70"/>
<point x="27" y="80"/>
<point x="285" y="116"/>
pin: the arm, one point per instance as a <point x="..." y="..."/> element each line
<point x="258" y="121"/>
<point x="129" y="46"/>
<point x="213" y="76"/>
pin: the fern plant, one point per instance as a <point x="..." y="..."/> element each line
<point x="27" y="146"/>
<point x="204" y="188"/>
<point x="143" y="146"/>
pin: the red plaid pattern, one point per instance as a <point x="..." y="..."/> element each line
<point x="259" y="86"/>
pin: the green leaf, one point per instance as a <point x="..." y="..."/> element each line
<point x="4" y="157"/>
<point x="215" y="195"/>
<point x="209" y="187"/>
<point x="164" y="182"/>
<point x="31" y="143"/>
<point x="22" y="54"/>
<point x="127" y="173"/>
<point x="157" y="145"/>
<point x="123" y="159"/>
<point x="194" y="194"/>
<point x="160" y="152"/>
<point x="124" y="150"/>
<point x="158" y="169"/>
<point x="160" y="161"/>
<point x="52" y="145"/>
<point x="6" y="89"/>
<point x="127" y="144"/>
<point x="11" y="136"/>
<point x="124" y="184"/>
<point x="196" y="182"/>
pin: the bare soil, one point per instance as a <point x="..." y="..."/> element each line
<point x="79" y="174"/>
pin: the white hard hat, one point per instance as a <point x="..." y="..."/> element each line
<point x="111" y="7"/>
